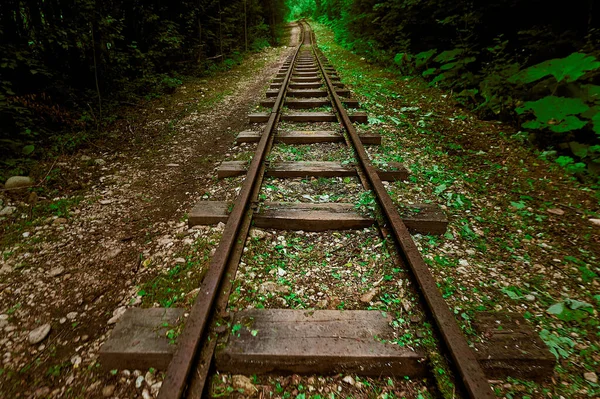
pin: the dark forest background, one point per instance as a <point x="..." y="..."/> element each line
<point x="530" y="62"/>
<point x="64" y="64"/>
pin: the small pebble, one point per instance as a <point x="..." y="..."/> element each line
<point x="138" y="381"/>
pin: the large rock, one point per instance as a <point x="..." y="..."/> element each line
<point x="8" y="210"/>
<point x="39" y="334"/>
<point x="18" y="182"/>
<point x="272" y="287"/>
<point x="244" y="384"/>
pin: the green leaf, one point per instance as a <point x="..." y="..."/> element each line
<point x="575" y="304"/>
<point x="555" y="113"/>
<point x="402" y="58"/>
<point x="28" y="149"/>
<point x="592" y="92"/>
<point x="596" y="123"/>
<point x="422" y="57"/>
<point x="429" y="71"/>
<point x="571" y="310"/>
<point x="581" y="150"/>
<point x="448" y="55"/>
<point x="518" y="205"/>
<point x="556" y="309"/>
<point x="559" y="346"/>
<point x="448" y="66"/>
<point x="532" y="125"/>
<point x="510" y="291"/>
<point x="438" y="78"/>
<point x="569" y="69"/>
<point x="564" y="160"/>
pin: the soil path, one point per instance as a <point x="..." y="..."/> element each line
<point x="121" y="222"/>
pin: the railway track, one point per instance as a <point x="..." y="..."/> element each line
<point x="306" y="80"/>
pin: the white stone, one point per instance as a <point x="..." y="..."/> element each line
<point x="179" y="260"/>
<point x="155" y="388"/>
<point x="59" y="221"/>
<point x="149" y="378"/>
<point x="146" y="394"/>
<point x="595" y="222"/>
<point x="113" y="253"/>
<point x="39" y="334"/>
<point x="591" y="377"/>
<point x="108" y="390"/>
<point x="18" y="182"/>
<point x="7" y="210"/>
<point x="258" y="234"/>
<point x="56" y="271"/>
<point x="117" y="314"/>
<point x="368" y="297"/>
<point x="349" y="380"/>
<point x="71" y="315"/>
<point x="244" y="383"/>
<point x="273" y="287"/>
<point x="138" y="381"/>
<point x="76" y="361"/>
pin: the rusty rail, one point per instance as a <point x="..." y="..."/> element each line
<point x="197" y="342"/>
<point x="468" y="367"/>
<point x="179" y="369"/>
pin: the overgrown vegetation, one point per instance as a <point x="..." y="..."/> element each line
<point x="65" y="64"/>
<point x="519" y="61"/>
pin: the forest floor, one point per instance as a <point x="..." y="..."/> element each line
<point x="116" y="217"/>
<point x="522" y="234"/>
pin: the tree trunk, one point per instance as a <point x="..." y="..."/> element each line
<point x="221" y="31"/>
<point x="246" y="24"/>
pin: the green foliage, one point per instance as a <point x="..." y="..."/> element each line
<point x="568" y="69"/>
<point x="555" y="113"/>
<point x="571" y="310"/>
<point x="558" y="346"/>
<point x="527" y="69"/>
<point x="64" y="65"/>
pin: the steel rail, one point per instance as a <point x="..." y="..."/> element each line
<point x="178" y="372"/>
<point x="470" y="370"/>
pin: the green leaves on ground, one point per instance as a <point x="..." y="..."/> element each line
<point x="571" y="310"/>
<point x="558" y="346"/>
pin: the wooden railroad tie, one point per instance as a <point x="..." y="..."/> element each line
<point x="309" y="93"/>
<point x="309" y="102"/>
<point x="309" y="169"/>
<point x="306" y="137"/>
<point x="307" y="342"/>
<point x="263" y="117"/>
<point x="419" y="218"/>
<point x="320" y="341"/>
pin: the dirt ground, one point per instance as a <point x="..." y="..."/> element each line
<point x="523" y="235"/>
<point x="118" y="221"/>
